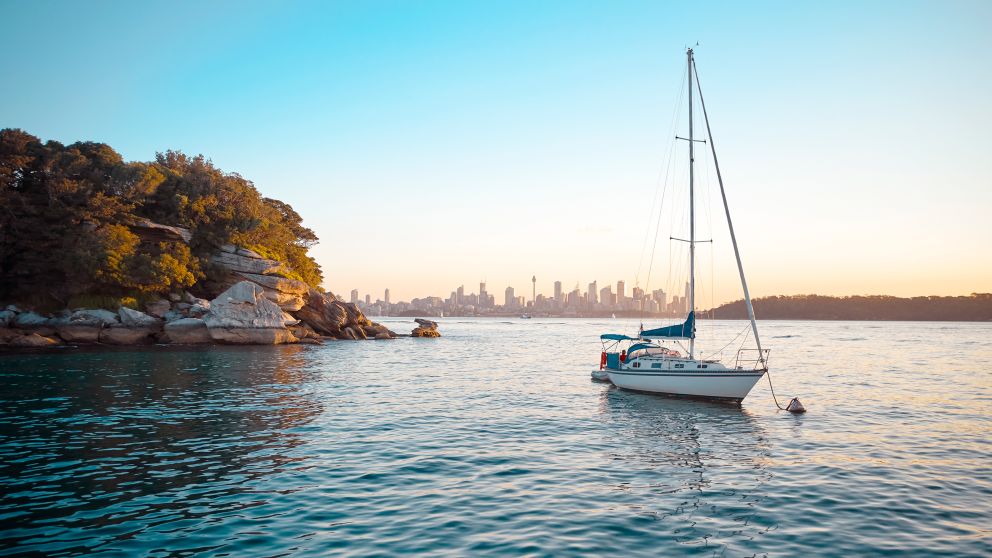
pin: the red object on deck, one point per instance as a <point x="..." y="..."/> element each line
<point x="602" y="360"/>
<point x="623" y="355"/>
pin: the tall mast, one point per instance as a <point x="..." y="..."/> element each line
<point x="692" y="217"/>
<point x="730" y="225"/>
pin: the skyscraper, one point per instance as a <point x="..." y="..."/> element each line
<point x="354" y="296"/>
<point x="606" y="296"/>
<point x="592" y="295"/>
<point x="461" y="294"/>
<point x="533" y="293"/>
<point x="483" y="295"/>
<point x="659" y="296"/>
<point x="510" y="300"/>
<point x="386" y="296"/>
<point x="558" y="292"/>
<point x="368" y="300"/>
<point x="620" y="291"/>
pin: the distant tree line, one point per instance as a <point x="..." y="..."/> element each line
<point x="68" y="210"/>
<point x="975" y="307"/>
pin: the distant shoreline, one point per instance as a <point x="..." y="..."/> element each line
<point x="976" y="307"/>
<point x="700" y="316"/>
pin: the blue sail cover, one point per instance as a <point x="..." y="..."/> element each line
<point x="681" y="331"/>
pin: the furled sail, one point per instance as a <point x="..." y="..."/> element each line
<point x="685" y="330"/>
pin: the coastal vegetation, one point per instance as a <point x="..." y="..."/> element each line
<point x="74" y="216"/>
<point x="975" y="307"/>
<point x="95" y="249"/>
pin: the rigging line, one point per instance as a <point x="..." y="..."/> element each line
<point x="714" y="353"/>
<point x="672" y="127"/>
<point x="657" y="228"/>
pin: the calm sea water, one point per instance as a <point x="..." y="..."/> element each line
<point x="493" y="441"/>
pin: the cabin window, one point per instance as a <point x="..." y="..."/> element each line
<point x="679" y="366"/>
<point x="637" y="365"/>
<point x="656" y="365"/>
<point x="706" y="366"/>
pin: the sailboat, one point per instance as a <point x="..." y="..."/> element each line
<point x="642" y="363"/>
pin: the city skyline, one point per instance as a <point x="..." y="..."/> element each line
<point x="432" y="144"/>
<point x="592" y="299"/>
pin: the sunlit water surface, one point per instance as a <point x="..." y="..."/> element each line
<point x="493" y="441"/>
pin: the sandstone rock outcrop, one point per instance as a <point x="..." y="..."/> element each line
<point x="260" y="303"/>
<point x="425" y="328"/>
<point x="287" y="293"/>
<point x="84" y="325"/>
<point x="341" y="320"/>
<point x="150" y="231"/>
<point x="33" y="340"/>
<point x="29" y="320"/>
<point x="134" y="318"/>
<point x="322" y="313"/>
<point x="158" y="308"/>
<point x="243" y="260"/>
<point x="129" y="335"/>
<point x="187" y="331"/>
<point x="243" y="315"/>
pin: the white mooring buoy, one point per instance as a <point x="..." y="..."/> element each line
<point x="795" y="406"/>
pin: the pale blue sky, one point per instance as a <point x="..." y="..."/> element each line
<point x="431" y="144"/>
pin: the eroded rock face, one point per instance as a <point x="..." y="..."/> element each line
<point x="79" y="333"/>
<point x="150" y="231"/>
<point x="378" y="331"/>
<point x="252" y="336"/>
<point x="243" y="315"/>
<point x="281" y="284"/>
<point x="28" y="320"/>
<point x="288" y="302"/>
<point x="329" y="316"/>
<point x="187" y="331"/>
<point x="158" y="308"/>
<point x="303" y="331"/>
<point x="129" y="335"/>
<point x="7" y="335"/>
<point x="242" y="263"/>
<point x="100" y="318"/>
<point x="323" y="313"/>
<point x="134" y="318"/>
<point x="425" y="328"/>
<point x="33" y="340"/>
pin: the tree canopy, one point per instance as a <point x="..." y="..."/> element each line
<point x="66" y="223"/>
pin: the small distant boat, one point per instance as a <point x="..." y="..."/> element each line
<point x="641" y="363"/>
<point x="525" y="316"/>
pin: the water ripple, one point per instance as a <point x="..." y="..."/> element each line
<point x="475" y="444"/>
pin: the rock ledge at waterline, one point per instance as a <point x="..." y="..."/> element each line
<point x="244" y="314"/>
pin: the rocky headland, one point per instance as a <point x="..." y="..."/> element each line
<point x="259" y="304"/>
<point x="96" y="249"/>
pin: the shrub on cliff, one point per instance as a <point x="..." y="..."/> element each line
<point x="66" y="211"/>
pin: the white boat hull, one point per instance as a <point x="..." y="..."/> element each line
<point x="729" y="384"/>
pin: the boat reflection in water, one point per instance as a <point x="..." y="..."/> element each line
<point x="697" y="470"/>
